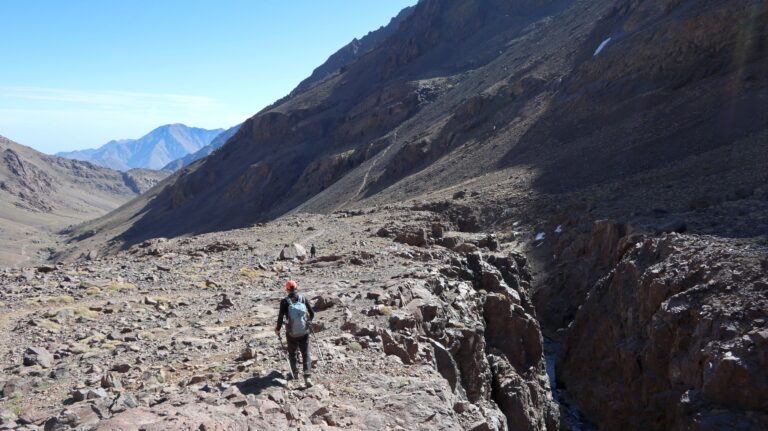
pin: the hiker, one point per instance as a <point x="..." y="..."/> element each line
<point x="312" y="251"/>
<point x="299" y="314"/>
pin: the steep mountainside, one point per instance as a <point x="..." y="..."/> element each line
<point x="215" y="144"/>
<point x="517" y="90"/>
<point x="43" y="193"/>
<point x="353" y="50"/>
<point x="152" y="151"/>
<point x="538" y="120"/>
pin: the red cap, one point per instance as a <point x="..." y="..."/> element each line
<point x="290" y="285"/>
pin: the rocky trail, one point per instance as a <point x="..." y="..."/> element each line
<point x="179" y="333"/>
<point x="418" y="326"/>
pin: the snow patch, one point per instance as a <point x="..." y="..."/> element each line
<point x="602" y="47"/>
<point x="540" y="236"/>
<point x="559" y="229"/>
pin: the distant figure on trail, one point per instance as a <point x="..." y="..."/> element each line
<point x="299" y="314"/>
<point x="312" y="251"/>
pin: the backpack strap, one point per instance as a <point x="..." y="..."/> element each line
<point x="299" y="298"/>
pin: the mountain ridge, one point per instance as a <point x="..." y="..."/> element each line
<point x="492" y="173"/>
<point x="154" y="150"/>
<point x="215" y="144"/>
<point x="42" y="194"/>
<point x="387" y="128"/>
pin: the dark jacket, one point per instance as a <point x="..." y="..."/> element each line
<point x="284" y="308"/>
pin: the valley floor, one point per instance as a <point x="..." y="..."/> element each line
<point x="142" y="329"/>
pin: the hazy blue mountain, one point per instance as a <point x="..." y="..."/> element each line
<point x="152" y="151"/>
<point x="217" y="143"/>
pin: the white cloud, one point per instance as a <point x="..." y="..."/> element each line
<point x="117" y="99"/>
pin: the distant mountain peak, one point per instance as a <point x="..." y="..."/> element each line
<point x="154" y="150"/>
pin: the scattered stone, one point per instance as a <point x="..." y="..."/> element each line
<point x="225" y="303"/>
<point x="150" y="301"/>
<point x="248" y="353"/>
<point x="60" y="373"/>
<point x="121" y="368"/>
<point x="38" y="356"/>
<point x="123" y="402"/>
<point x="324" y="302"/>
<point x="109" y="381"/>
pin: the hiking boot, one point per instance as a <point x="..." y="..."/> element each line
<point x="308" y="381"/>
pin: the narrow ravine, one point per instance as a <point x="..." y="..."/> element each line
<point x="570" y="415"/>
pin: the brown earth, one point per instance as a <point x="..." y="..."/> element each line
<point x="407" y="337"/>
<point x="485" y="116"/>
<point x="43" y="194"/>
<point x="673" y="337"/>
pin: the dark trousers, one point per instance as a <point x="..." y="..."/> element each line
<point x="294" y="345"/>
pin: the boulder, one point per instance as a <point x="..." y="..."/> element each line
<point x="38" y="356"/>
<point x="123" y="402"/>
<point x="445" y="364"/>
<point x="324" y="302"/>
<point x="437" y="230"/>
<point x="469" y="352"/>
<point x="514" y="332"/>
<point x="415" y="238"/>
<point x="248" y="353"/>
<point x="405" y="348"/>
<point x="225" y="303"/>
<point x="293" y="251"/>
<point x="110" y="381"/>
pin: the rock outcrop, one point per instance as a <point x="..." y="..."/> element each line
<point x="178" y="334"/>
<point x="674" y="337"/>
<point x="582" y="253"/>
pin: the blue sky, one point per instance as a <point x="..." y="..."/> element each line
<point x="76" y="74"/>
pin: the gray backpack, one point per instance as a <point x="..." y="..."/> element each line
<point x="298" y="326"/>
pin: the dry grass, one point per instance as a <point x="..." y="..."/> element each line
<point x="84" y="312"/>
<point x="93" y="290"/>
<point x="119" y="287"/>
<point x="250" y="273"/>
<point x="49" y="325"/>
<point x="110" y="344"/>
<point x="51" y="300"/>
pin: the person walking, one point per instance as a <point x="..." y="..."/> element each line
<point x="299" y="314"/>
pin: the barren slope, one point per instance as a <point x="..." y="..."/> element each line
<point x="407" y="337"/>
<point x="42" y="194"/>
<point x="511" y="89"/>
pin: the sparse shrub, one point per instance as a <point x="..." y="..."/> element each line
<point x="249" y="273"/>
<point x="147" y="335"/>
<point x="49" y="325"/>
<point x="53" y="300"/>
<point x="84" y="312"/>
<point x="118" y="287"/>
